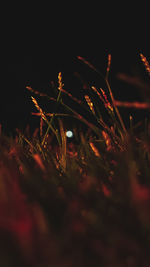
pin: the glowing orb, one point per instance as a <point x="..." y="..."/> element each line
<point x="69" y="134"/>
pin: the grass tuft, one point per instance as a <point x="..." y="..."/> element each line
<point x="79" y="202"/>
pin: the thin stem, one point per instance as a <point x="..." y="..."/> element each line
<point x="51" y="120"/>
<point x="116" y="109"/>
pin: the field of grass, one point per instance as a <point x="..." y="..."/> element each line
<point x="80" y="202"/>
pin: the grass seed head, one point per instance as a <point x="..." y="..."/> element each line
<point x="146" y="63"/>
<point x="38" y="108"/>
<point x="90" y="103"/>
<point x="108" y="66"/>
<point x="60" y="83"/>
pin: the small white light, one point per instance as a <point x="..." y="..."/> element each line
<point x="69" y="134"/>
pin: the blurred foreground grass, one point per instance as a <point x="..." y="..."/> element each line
<point x="83" y="202"/>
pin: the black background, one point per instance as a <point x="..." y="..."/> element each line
<point x="39" y="69"/>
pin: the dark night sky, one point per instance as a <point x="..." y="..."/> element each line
<point x="39" y="69"/>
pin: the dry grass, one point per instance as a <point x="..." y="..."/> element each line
<point x="79" y="203"/>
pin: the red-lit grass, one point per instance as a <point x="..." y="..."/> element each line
<point x="79" y="203"/>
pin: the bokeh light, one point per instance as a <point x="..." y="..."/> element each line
<point x="69" y="134"/>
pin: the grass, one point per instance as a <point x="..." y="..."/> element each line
<point x="78" y="203"/>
